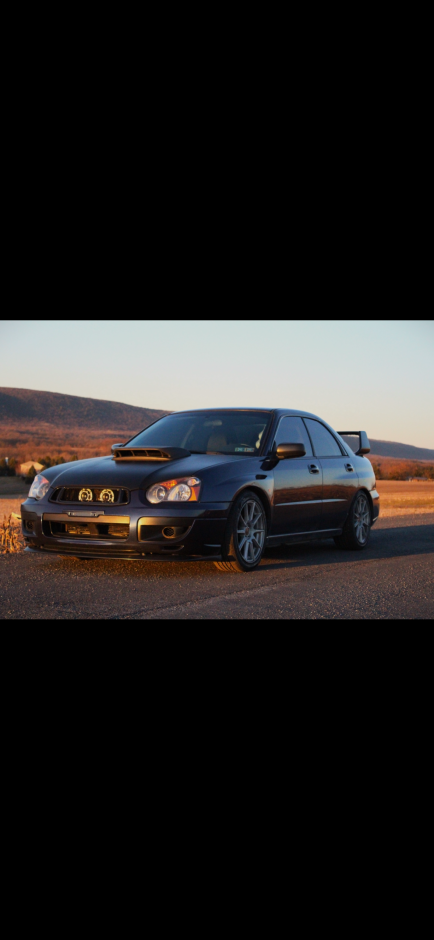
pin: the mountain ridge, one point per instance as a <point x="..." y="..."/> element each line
<point x="397" y="451"/>
<point x="27" y="410"/>
<point x="72" y="410"/>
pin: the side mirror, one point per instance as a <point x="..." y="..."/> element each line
<point x="290" y="451"/>
<point x="116" y="447"/>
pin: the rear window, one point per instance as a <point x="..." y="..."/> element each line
<point x="324" y="443"/>
<point x="352" y="441"/>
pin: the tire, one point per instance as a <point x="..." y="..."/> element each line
<point x="244" y="543"/>
<point x="357" y="530"/>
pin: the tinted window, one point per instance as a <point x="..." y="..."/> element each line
<point x="293" y="431"/>
<point x="226" y="432"/>
<point x="323" y="442"/>
<point x="352" y="441"/>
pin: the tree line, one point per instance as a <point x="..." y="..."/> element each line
<point x="11" y="467"/>
<point x="402" y="470"/>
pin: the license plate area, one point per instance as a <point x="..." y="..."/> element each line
<point x="96" y="528"/>
<point x="90" y="530"/>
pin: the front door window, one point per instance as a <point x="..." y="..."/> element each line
<point x="297" y="491"/>
<point x="292" y="431"/>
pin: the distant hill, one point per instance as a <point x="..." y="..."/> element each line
<point x="397" y="451"/>
<point x="401" y="451"/>
<point x="34" y="423"/>
<point x="24" y="405"/>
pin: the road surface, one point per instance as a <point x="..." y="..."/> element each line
<point x="394" y="578"/>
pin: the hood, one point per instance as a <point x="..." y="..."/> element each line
<point x="104" y="471"/>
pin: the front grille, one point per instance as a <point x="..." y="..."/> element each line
<point x="86" y="530"/>
<point x="91" y="495"/>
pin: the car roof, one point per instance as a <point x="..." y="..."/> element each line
<point x="279" y="412"/>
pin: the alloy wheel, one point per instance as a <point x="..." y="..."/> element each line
<point x="251" y="527"/>
<point x="362" y="520"/>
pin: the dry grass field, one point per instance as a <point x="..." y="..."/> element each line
<point x="11" y="487"/>
<point x="399" y="498"/>
<point x="10" y="505"/>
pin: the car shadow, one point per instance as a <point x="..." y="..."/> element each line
<point x="389" y="543"/>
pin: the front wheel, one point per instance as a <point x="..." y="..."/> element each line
<point x="357" y="530"/>
<point x="246" y="533"/>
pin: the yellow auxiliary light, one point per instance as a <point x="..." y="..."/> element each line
<point x="85" y="496"/>
<point x="107" y="496"/>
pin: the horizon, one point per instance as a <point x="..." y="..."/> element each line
<point x="374" y="375"/>
<point x="109" y="401"/>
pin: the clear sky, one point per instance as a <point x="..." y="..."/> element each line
<point x="373" y="375"/>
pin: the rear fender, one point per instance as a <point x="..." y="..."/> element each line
<point x="374" y="502"/>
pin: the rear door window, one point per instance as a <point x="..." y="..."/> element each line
<point x="324" y="443"/>
<point x="292" y="431"/>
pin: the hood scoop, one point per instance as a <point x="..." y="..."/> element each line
<point x="149" y="453"/>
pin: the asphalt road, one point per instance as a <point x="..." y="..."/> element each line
<point x="394" y="578"/>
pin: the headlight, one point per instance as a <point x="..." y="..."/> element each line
<point x="39" y="487"/>
<point x="179" y="491"/>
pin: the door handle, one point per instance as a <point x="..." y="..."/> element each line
<point x="349" y="468"/>
<point x="313" y="468"/>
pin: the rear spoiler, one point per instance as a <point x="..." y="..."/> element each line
<point x="149" y="453"/>
<point x="364" y="445"/>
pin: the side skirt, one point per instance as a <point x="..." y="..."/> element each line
<point x="294" y="537"/>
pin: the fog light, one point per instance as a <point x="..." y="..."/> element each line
<point x="169" y="533"/>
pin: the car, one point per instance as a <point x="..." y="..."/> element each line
<point x="219" y="484"/>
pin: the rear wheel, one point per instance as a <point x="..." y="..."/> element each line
<point x="245" y="536"/>
<point x="357" y="530"/>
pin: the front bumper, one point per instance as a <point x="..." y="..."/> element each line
<point x="199" y="530"/>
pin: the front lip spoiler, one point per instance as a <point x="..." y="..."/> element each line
<point x="77" y="552"/>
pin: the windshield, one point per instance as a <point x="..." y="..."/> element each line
<point x="238" y="433"/>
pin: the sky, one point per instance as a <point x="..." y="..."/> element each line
<point x="372" y="375"/>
